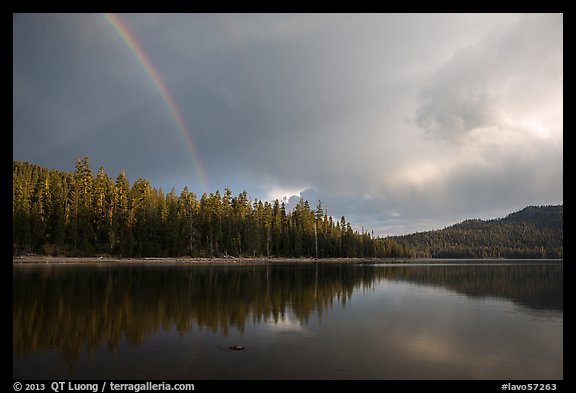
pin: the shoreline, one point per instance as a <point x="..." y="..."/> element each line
<point x="42" y="259"/>
<point x="23" y="260"/>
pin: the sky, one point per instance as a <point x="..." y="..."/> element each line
<point x="399" y="122"/>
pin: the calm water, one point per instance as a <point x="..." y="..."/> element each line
<point x="442" y="321"/>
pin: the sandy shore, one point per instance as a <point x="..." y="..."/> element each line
<point x="186" y="260"/>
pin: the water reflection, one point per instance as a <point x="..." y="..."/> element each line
<point x="73" y="308"/>
<point x="533" y="285"/>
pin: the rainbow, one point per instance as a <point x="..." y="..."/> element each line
<point x="135" y="48"/>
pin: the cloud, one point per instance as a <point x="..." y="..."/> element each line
<point x="508" y="76"/>
<point x="398" y="122"/>
<point x="492" y="121"/>
<point x="486" y="131"/>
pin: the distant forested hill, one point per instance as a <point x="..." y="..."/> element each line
<point x="533" y="232"/>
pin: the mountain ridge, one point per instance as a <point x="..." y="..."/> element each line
<point x="532" y="232"/>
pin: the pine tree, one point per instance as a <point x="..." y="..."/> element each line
<point x="119" y="238"/>
<point x="21" y="215"/>
<point x="103" y="202"/>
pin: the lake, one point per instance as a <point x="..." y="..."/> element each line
<point x="445" y="320"/>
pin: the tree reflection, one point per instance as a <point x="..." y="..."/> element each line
<point x="81" y="307"/>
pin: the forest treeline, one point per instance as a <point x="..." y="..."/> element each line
<point x="533" y="232"/>
<point x="79" y="214"/>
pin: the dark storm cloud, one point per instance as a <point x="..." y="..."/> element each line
<point x="354" y="110"/>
